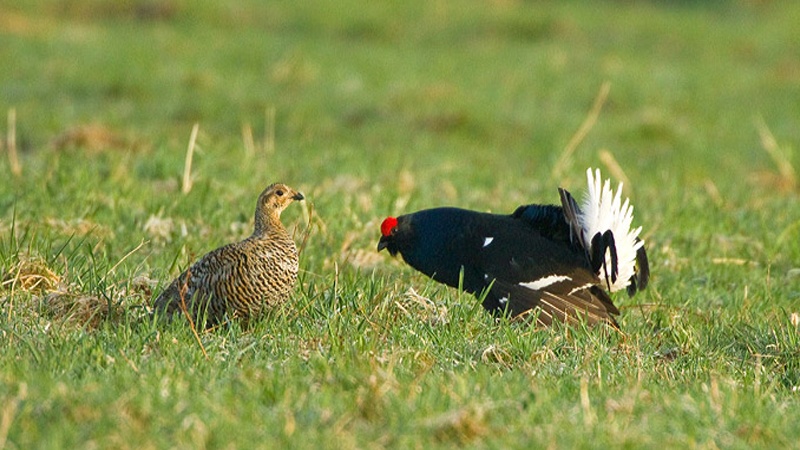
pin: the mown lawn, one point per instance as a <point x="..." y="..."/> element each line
<point x="375" y="109"/>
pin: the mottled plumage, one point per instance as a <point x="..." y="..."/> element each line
<point x="242" y="278"/>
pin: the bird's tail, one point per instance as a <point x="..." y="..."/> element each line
<point x="602" y="227"/>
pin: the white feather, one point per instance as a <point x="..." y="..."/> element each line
<point x="602" y="210"/>
<point x="545" y="281"/>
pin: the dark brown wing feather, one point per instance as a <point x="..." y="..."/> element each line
<point x="573" y="301"/>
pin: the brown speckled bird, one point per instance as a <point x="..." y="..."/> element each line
<point x="242" y="278"/>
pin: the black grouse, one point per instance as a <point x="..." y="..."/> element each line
<point x="558" y="262"/>
<point x="244" y="278"/>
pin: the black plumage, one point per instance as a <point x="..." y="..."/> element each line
<point x="532" y="259"/>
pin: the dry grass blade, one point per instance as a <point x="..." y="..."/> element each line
<point x="9" y="411"/>
<point x="112" y="269"/>
<point x="269" y="131"/>
<point x="187" y="168"/>
<point x="788" y="176"/>
<point x="308" y="213"/>
<point x="589" y="417"/>
<point x="496" y="355"/>
<point x="733" y="261"/>
<point x="182" y="294"/>
<point x="713" y="192"/>
<point x="13" y="159"/>
<point x="249" y="142"/>
<point x="614" y="168"/>
<point x="588" y="123"/>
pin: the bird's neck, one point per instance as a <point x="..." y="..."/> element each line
<point x="268" y="224"/>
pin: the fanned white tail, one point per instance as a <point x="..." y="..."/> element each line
<point x="603" y="210"/>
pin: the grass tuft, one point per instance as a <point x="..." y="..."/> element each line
<point x="30" y="274"/>
<point x="94" y="138"/>
<point x="76" y="309"/>
<point x="462" y="426"/>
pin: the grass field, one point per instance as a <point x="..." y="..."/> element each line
<point x="375" y="109"/>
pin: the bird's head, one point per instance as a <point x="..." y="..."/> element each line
<point x="419" y="234"/>
<point x="388" y="240"/>
<point x="275" y="198"/>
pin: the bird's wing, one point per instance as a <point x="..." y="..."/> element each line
<point x="550" y="221"/>
<point x="201" y="280"/>
<point x="525" y="270"/>
<point x="567" y="299"/>
<point x="216" y="270"/>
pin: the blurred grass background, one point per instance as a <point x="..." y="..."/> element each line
<point x="374" y="109"/>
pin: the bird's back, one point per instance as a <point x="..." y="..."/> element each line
<point x="240" y="279"/>
<point x="448" y="241"/>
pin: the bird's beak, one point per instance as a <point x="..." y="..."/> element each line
<point x="298" y="196"/>
<point x="385" y="242"/>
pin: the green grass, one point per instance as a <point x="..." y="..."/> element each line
<point x="380" y="110"/>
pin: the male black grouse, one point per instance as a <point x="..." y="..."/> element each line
<point x="555" y="261"/>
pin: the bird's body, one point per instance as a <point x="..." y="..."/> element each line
<point x="530" y="259"/>
<point x="240" y="279"/>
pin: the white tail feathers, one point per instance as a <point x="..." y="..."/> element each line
<point x="603" y="210"/>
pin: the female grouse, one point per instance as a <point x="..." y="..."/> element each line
<point x="242" y="278"/>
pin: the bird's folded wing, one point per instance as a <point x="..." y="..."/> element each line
<point x="568" y="299"/>
<point x="201" y="279"/>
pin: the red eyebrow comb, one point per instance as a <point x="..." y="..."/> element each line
<point x="388" y="225"/>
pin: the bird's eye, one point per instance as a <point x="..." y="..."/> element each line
<point x="279" y="193"/>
